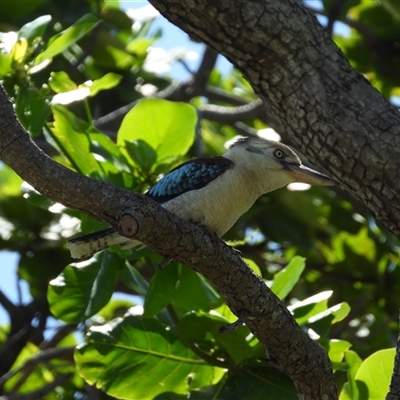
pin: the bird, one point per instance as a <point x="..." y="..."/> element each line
<point x="215" y="191"/>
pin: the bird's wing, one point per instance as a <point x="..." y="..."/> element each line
<point x="192" y="175"/>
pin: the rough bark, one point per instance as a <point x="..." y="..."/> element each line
<point x="394" y="390"/>
<point x="289" y="349"/>
<point x="331" y="112"/>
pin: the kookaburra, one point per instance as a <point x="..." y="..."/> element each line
<point x="216" y="191"/>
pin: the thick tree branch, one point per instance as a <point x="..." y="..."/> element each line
<point x="288" y="347"/>
<point x="332" y="113"/>
<point x="394" y="392"/>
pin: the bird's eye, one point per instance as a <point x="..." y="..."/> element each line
<point x="278" y="153"/>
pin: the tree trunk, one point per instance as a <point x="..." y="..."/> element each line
<point x="330" y="111"/>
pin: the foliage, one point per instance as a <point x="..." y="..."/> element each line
<point x="337" y="271"/>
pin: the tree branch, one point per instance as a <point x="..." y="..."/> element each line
<point x="288" y="347"/>
<point x="65" y="353"/>
<point x="332" y="113"/>
<point x="394" y="392"/>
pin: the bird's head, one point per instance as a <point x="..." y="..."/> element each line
<point x="279" y="164"/>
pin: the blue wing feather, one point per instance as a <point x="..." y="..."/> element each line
<point x="191" y="175"/>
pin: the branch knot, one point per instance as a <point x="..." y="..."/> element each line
<point x="128" y="226"/>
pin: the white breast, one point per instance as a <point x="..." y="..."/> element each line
<point x="219" y="204"/>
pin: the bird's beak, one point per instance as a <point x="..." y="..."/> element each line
<point x="303" y="174"/>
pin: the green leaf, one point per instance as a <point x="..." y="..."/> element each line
<point x="258" y="383"/>
<point x="60" y="82"/>
<point x="32" y="109"/>
<point x="336" y="349"/>
<point x="10" y="182"/>
<point x="139" y="47"/>
<point x="60" y="42"/>
<point x="354" y="362"/>
<point x="203" y="330"/>
<point x="141" y="153"/>
<point x="193" y="292"/>
<point x="133" y="356"/>
<point x="322" y="322"/>
<point x="109" y="52"/>
<point x="5" y="64"/>
<point x="168" y="127"/>
<point x="253" y="266"/>
<point x="82" y="290"/>
<point x="185" y="288"/>
<point x="108" y="81"/>
<point x="73" y="138"/>
<point x="134" y="280"/>
<point x="373" y="377"/>
<point x="285" y="280"/>
<point x="306" y="309"/>
<point x="161" y="290"/>
<point x="68" y="91"/>
<point x="35" y="28"/>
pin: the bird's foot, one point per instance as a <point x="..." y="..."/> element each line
<point x="244" y="314"/>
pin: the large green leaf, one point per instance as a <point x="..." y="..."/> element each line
<point x="82" y="290"/>
<point x="138" y="358"/>
<point x="61" y="41"/>
<point x="372" y="378"/>
<point x="285" y="280"/>
<point x="168" y="127"/>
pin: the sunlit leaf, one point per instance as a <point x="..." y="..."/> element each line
<point x="60" y="82"/>
<point x="306" y="309"/>
<point x="168" y="127"/>
<point x="336" y="349"/>
<point x="108" y="81"/>
<point x="350" y="390"/>
<point x="61" y="41"/>
<point x="373" y="377"/>
<point x="322" y="322"/>
<point x="285" y="280"/>
<point x="132" y="356"/>
<point x="82" y="290"/>
<point x="72" y="137"/>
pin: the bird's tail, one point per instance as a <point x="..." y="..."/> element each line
<point x="87" y="245"/>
